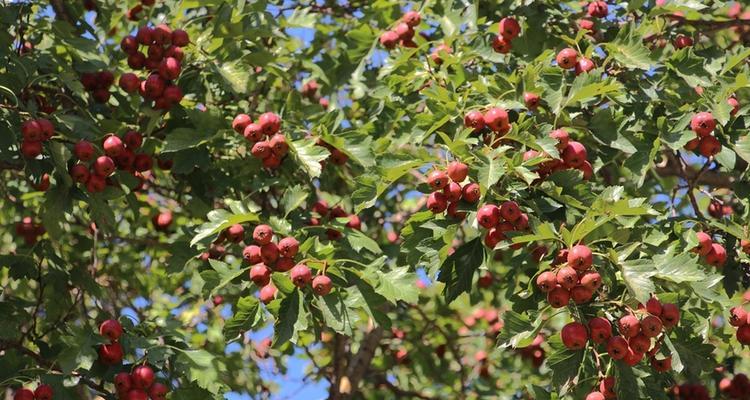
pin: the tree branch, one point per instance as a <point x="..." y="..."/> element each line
<point x="672" y="166"/>
<point x="360" y="362"/>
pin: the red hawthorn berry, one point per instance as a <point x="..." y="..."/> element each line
<point x="509" y="28"/>
<point x="617" y="347"/>
<point x="601" y="329"/>
<point x="567" y="58"/>
<point x="574" y="336"/>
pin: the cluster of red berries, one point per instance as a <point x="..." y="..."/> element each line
<point x="133" y="14"/>
<point x="534" y="352"/>
<point x="42" y="392"/>
<point x="164" y="61"/>
<point x="402" y="33"/>
<point x="736" y="388"/>
<point x="322" y="211"/>
<point x="496" y="119"/>
<point x="634" y="341"/>
<point x="35" y="132"/>
<point x="265" y="256"/>
<point x="500" y="220"/>
<point x="568" y="58"/>
<point x="98" y="83"/>
<point x="268" y="145"/>
<point x="310" y="90"/>
<point x="111" y="353"/>
<point x="30" y="230"/>
<point x="574" y="278"/>
<point x="140" y="384"/>
<point x="337" y="157"/>
<point x="508" y="30"/>
<point x="740" y="318"/>
<point x="118" y="154"/>
<point x="703" y="123"/>
<point x="690" y="391"/>
<point x="573" y="155"/>
<point x="448" y="190"/>
<point x="713" y="253"/>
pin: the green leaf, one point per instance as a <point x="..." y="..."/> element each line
<point x="309" y="155"/>
<point x="235" y="74"/>
<point x="457" y="272"/>
<point x="291" y="320"/>
<point x="248" y="315"/>
<point x="742" y="147"/>
<point x="564" y="364"/>
<point x="518" y="331"/>
<point x="628" y="49"/>
<point x="294" y="197"/>
<point x="626" y="385"/>
<point x="336" y="314"/>
<point x="218" y="221"/>
<point x="398" y="284"/>
<point x="183" y="138"/>
<point x="678" y="268"/>
<point x="637" y="277"/>
<point x="490" y="169"/>
<point x="359" y="241"/>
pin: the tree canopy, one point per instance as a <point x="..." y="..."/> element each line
<point x="445" y="199"/>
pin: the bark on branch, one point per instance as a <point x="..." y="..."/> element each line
<point x="671" y="166"/>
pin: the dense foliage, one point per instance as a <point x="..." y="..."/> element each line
<point x="446" y="199"/>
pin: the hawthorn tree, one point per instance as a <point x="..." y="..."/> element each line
<point x="440" y="200"/>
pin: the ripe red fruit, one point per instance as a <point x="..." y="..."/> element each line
<point x="640" y="343"/>
<point x="574" y="154"/>
<point x="104" y="166"/>
<point x="301" y="275"/>
<point x="123" y="382"/>
<point x="83" y="150"/>
<point x="735" y="104"/>
<point x="737" y="316"/>
<point x="262" y="234"/>
<point x="404" y="31"/>
<point x="412" y="18"/>
<point x="437" y="202"/>
<point x="32" y="131"/>
<point x="629" y="326"/>
<point x="110" y="354"/>
<point x="270" y="123"/>
<point x="584" y="65"/>
<point x="101" y="95"/>
<point x="389" y="39"/>
<point x="251" y="254"/>
<point x="509" y="28"/>
<point x="510" y="211"/>
<point x="153" y="86"/>
<point x="144" y="36"/>
<point x="531" y="100"/>
<point x="180" y="38"/>
<point x="43" y="392"/>
<point x="709" y="146"/>
<point x="261" y="150"/>
<point x="607" y="387"/>
<point x="162" y="34"/>
<point x="586" y="24"/>
<point x="322" y="285"/>
<point x="704" y="243"/>
<point x="136" y="60"/>
<point x="79" y="173"/>
<point x="441" y="48"/>
<point x="158" y="391"/>
<point x="581" y="294"/>
<point x="567" y="277"/>
<point x="235" y="233"/>
<point x="288" y="247"/>
<point x="488" y="215"/>
<point x="240" y="122"/>
<point x="253" y="132"/>
<point x="137" y="394"/>
<point x="592" y="280"/>
<point x="354" y="222"/>
<point x="632" y="357"/>
<point x="457" y="171"/>
<point x="562" y="137"/>
<point x="662" y="365"/>
<point x="670" y="315"/>
<point x="143" y="377"/>
<point x="269" y="253"/>
<point x="703" y="123"/>
<point x="129" y="45"/>
<point x="113" y="146"/>
<point x="574" y="336"/>
<point x="471" y="192"/>
<point x="162" y="220"/>
<point x="682" y="41"/>
<point x="284" y="264"/>
<point x="278" y="144"/>
<point x="437" y="179"/>
<point x="501" y="45"/>
<point x="651" y="326"/>
<point x="617" y="347"/>
<point x="595" y="396"/>
<point x="717" y="256"/>
<point x="497" y="119"/>
<point x="267" y="293"/>
<point x="142" y="162"/>
<point x="170" y="68"/>
<point x="597" y="9"/>
<point x="546" y="281"/>
<point x="105" y="79"/>
<point x="743" y="334"/>
<point x="601" y="329"/>
<point x="111" y="329"/>
<point x="452" y="192"/>
<point x="558" y="297"/>
<point x="566" y="58"/>
<point x="260" y="274"/>
<point x="474" y="119"/>
<point x="580" y="257"/>
<point x="493" y="237"/>
<point x="31" y="149"/>
<point x="653" y="306"/>
<point x="23" y="394"/>
<point x="129" y="82"/>
<point x="96" y="184"/>
<point x="133" y="140"/>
